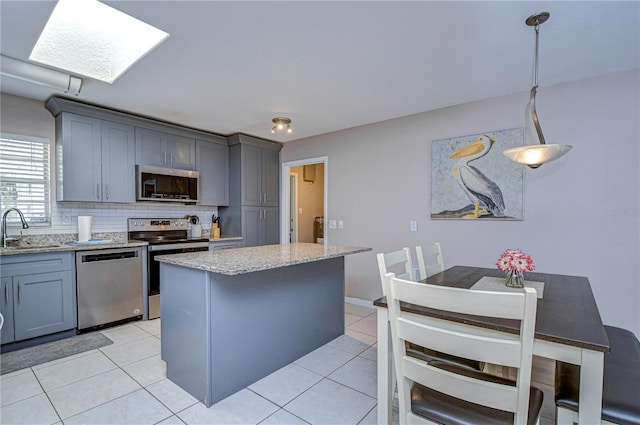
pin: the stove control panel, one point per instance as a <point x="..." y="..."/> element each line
<point x="156" y="224"/>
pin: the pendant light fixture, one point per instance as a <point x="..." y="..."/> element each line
<point x="281" y="125"/>
<point x="536" y="155"/>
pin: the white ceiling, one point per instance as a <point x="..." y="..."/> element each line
<point x="232" y="66"/>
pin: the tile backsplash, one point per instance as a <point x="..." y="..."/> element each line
<point x="113" y="217"/>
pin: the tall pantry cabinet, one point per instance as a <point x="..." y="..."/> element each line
<point x="254" y="182"/>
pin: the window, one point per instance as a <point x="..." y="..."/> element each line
<point x="24" y="178"/>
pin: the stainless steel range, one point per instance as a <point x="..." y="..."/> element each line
<point x="165" y="236"/>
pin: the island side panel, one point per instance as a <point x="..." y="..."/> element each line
<point x="264" y="320"/>
<point x="184" y="307"/>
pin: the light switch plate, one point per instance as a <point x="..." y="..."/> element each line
<point x="413" y="224"/>
<point x="340" y="224"/>
<point x="332" y="224"/>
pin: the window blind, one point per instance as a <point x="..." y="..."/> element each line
<point x="24" y="178"/>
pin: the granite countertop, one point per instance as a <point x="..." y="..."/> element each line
<point x="38" y="244"/>
<point x="256" y="258"/>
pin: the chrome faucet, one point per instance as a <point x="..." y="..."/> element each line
<point x="25" y="225"/>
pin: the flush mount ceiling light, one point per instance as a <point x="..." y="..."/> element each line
<point x="281" y="124"/>
<point x="92" y="39"/>
<point x="536" y="155"/>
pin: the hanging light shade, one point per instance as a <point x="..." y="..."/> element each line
<point x="536" y="155"/>
<point x="281" y="125"/>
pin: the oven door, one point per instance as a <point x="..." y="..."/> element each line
<point x="153" y="272"/>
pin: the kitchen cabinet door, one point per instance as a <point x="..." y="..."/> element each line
<point x="212" y="162"/>
<point x="260" y="226"/>
<point x="270" y="178"/>
<point x="181" y="152"/>
<point x="118" y="162"/>
<point x="78" y="156"/>
<point x="43" y="304"/>
<point x="151" y="147"/>
<point x="270" y="222"/>
<point x="251" y="175"/>
<point x="251" y="226"/>
<point x="6" y="308"/>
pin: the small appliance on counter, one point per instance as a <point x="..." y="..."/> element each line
<point x="84" y="228"/>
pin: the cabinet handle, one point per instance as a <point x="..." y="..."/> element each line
<point x="165" y="158"/>
<point x="106" y="191"/>
<point x="98" y="191"/>
<point x="19" y="290"/>
<point x="171" y="158"/>
<point x="6" y="294"/>
<point x="264" y="198"/>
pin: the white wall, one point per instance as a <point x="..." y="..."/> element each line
<point x="19" y="115"/>
<point x="582" y="212"/>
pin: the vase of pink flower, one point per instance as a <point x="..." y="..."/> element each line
<point x="514" y="262"/>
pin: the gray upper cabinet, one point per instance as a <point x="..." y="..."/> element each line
<point x="95" y="159"/>
<point x="259" y="176"/>
<point x="165" y="149"/>
<point x="212" y="162"/>
<point x="38" y="295"/>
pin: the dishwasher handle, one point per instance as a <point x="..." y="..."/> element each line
<point x="90" y="258"/>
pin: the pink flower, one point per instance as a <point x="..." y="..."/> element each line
<point x="515" y="260"/>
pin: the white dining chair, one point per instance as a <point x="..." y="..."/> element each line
<point x="401" y="261"/>
<point x="438" y="392"/>
<point x="432" y="252"/>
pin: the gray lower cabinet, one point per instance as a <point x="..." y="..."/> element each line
<point x="38" y="295"/>
<point x="95" y="159"/>
<point x="165" y="149"/>
<point x="260" y="226"/>
<point x="212" y="162"/>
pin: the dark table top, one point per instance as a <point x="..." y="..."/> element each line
<point x="567" y="313"/>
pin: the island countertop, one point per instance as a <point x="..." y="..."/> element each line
<point x="252" y="259"/>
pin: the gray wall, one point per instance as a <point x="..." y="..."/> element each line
<point x="582" y="213"/>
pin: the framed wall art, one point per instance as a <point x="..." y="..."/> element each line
<point x="472" y="180"/>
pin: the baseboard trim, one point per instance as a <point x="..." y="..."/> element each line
<point x="360" y="302"/>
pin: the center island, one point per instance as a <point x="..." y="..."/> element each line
<point x="231" y="317"/>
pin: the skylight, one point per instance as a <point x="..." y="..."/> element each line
<point x="89" y="38"/>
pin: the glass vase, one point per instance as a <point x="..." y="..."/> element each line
<point x="515" y="279"/>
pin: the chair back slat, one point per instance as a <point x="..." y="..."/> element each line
<point x="495" y="350"/>
<point x="505" y="305"/>
<point x="492" y="394"/>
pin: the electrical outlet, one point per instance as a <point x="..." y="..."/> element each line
<point x="332" y="224"/>
<point x="413" y="224"/>
<point x="340" y="224"/>
<point x="66" y="219"/>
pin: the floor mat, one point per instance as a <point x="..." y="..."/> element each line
<point x="32" y="356"/>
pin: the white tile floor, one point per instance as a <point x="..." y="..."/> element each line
<point x="125" y="383"/>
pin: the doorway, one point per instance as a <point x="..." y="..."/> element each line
<point x="304" y="194"/>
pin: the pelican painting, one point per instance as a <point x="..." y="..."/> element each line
<point x="480" y="189"/>
<point x="471" y="179"/>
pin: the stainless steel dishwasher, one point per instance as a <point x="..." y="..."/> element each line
<point x="109" y="285"/>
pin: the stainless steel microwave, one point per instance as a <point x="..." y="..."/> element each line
<point x="166" y="184"/>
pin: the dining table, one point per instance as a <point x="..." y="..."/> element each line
<point x="568" y="329"/>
